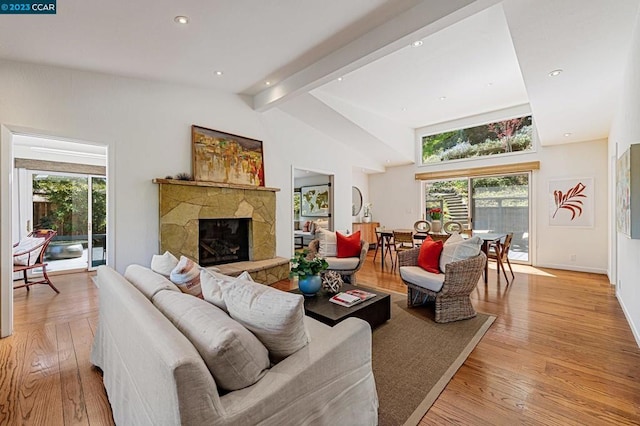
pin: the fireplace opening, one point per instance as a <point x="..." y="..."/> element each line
<point x="223" y="241"/>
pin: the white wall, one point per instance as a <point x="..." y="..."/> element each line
<point x="396" y="198"/>
<point x="624" y="132"/>
<point x="147" y="128"/>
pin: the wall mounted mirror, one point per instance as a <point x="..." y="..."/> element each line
<point x="356" y="201"/>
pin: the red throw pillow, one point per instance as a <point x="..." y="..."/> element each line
<point x="429" y="256"/>
<point x="348" y="245"/>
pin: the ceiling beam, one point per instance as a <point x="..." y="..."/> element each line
<point x="422" y="20"/>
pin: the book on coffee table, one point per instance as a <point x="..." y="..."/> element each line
<point x="351" y="297"/>
<point x="364" y="295"/>
<point x="345" y="299"/>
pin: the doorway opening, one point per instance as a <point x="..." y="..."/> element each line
<point x="62" y="186"/>
<point x="312" y="201"/>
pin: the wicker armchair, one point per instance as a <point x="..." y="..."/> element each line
<point x="335" y="264"/>
<point x="452" y="301"/>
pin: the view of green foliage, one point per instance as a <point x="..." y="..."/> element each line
<point x="296" y="205"/>
<point x="489" y="139"/>
<point x="69" y="200"/>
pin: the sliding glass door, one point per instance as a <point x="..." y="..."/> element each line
<point x="501" y="204"/>
<point x="486" y="204"/>
<point x="75" y="206"/>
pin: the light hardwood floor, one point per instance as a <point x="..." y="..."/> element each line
<point x="559" y="353"/>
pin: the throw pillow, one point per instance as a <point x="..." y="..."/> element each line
<point x="212" y="284"/>
<point x="457" y="248"/>
<point x="274" y="316"/>
<point x="348" y="245"/>
<point x="429" y="256"/>
<point x="186" y="275"/>
<point x="312" y="227"/>
<point x="163" y="264"/>
<point x="328" y="243"/>
<point x="305" y="227"/>
<point x="148" y="282"/>
<point x="234" y="356"/>
<point x="27" y="244"/>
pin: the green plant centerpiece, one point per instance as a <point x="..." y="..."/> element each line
<point x="308" y="269"/>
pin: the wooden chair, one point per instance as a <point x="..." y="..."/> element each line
<point x="29" y="254"/>
<point x="500" y="253"/>
<point x="401" y="241"/>
<point x="388" y="243"/>
<point x="452" y="300"/>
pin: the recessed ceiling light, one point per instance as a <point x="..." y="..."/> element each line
<point x="566" y="135"/>
<point x="267" y="83"/>
<point x="417" y="43"/>
<point x="555" y="73"/>
<point x="442" y="98"/>
<point x="181" y="19"/>
<point x="339" y="78"/>
<point x="403" y="109"/>
<point x="218" y="73"/>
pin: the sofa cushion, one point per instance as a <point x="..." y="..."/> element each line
<point x="186" y="275"/>
<point x="328" y="243"/>
<point x="148" y="282"/>
<point x="348" y="245"/>
<point x="26" y="244"/>
<point x="342" y="263"/>
<point x="274" y="316"/>
<point x="457" y="248"/>
<point x="418" y="276"/>
<point x="429" y="256"/>
<point x="163" y="263"/>
<point x="234" y="356"/>
<point x="212" y="283"/>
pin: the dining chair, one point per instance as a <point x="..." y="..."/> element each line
<point x="452" y="226"/>
<point x="28" y="254"/>
<point x="402" y="240"/>
<point x="379" y="240"/>
<point x="500" y="253"/>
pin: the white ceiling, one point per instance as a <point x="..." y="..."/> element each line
<point x="482" y="56"/>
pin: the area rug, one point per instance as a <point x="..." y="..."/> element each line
<point x="414" y="358"/>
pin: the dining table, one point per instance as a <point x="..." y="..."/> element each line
<point x="488" y="239"/>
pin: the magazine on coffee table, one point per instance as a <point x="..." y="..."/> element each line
<point x="364" y="295"/>
<point x="351" y="297"/>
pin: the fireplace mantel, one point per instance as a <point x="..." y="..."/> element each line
<point x="213" y="184"/>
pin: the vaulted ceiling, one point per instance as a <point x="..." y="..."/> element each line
<point x="352" y="69"/>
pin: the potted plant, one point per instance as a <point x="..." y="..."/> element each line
<point x="435" y="214"/>
<point x="308" y="269"/>
<point x="367" y="212"/>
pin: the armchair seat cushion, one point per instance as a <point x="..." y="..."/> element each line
<point x="421" y="278"/>
<point x="342" y="263"/>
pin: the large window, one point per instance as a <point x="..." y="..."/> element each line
<point x="486" y="204"/>
<point x="500" y="137"/>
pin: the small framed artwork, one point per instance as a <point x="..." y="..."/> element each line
<point x="314" y="201"/>
<point x="225" y="158"/>
<point x="571" y="202"/>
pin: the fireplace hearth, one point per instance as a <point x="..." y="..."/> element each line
<point x="224" y="240"/>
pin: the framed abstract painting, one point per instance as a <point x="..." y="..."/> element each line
<point x="226" y="158"/>
<point x="571" y="202"/>
<point x="627" y="192"/>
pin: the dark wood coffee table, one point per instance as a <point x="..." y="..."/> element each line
<point x="375" y="311"/>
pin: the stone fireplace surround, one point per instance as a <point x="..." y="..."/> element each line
<point x="183" y="203"/>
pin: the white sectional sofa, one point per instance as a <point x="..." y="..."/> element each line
<point x="155" y="375"/>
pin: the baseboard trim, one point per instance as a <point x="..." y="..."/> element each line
<point x="572" y="268"/>
<point x="634" y="330"/>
